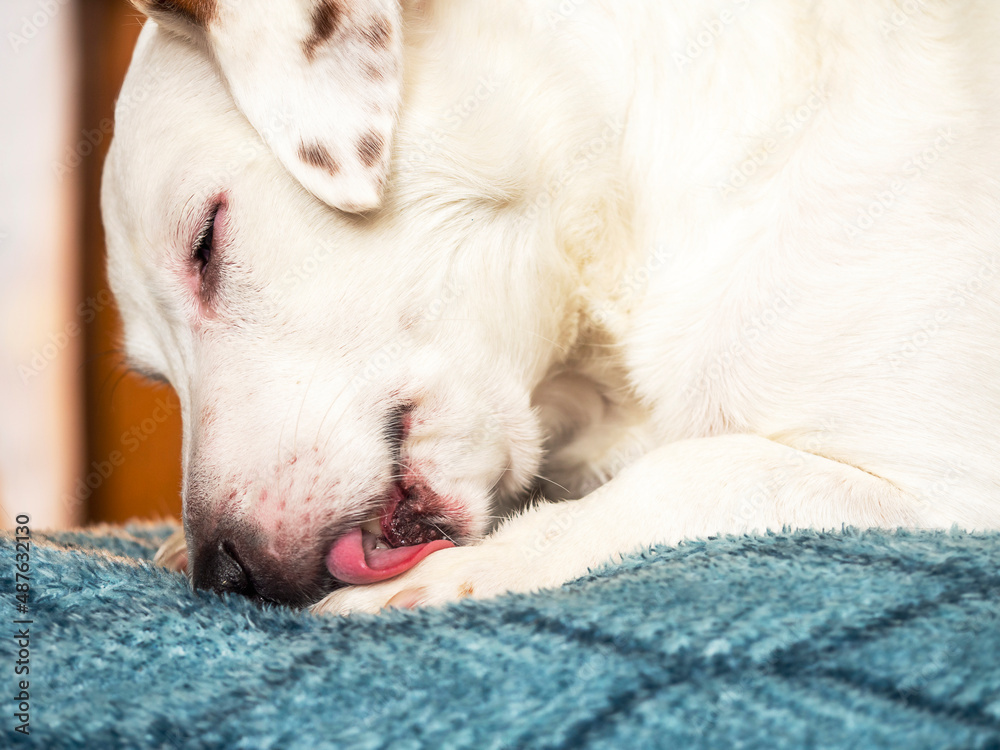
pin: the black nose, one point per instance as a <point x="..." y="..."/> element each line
<point x="237" y="562"/>
<point x="218" y="568"/>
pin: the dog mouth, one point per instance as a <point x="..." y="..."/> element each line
<point x="409" y="529"/>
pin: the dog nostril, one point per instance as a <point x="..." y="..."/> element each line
<point x="221" y="571"/>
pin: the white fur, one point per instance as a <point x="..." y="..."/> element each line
<point x="572" y="282"/>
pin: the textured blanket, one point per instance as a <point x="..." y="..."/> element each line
<point x="850" y="640"/>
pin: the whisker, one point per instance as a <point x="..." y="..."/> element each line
<point x="441" y="532"/>
<point x="499" y="477"/>
<point x="550" y="481"/>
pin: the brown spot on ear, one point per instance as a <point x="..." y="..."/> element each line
<point x="377" y="33"/>
<point x="200" y="12"/>
<point x="325" y="20"/>
<point x="373" y="71"/>
<point x="465" y="590"/>
<point x="370" y="149"/>
<point x="317" y="156"/>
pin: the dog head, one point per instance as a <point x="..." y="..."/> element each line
<point x="356" y="388"/>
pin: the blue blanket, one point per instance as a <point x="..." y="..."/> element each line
<point x="849" y="640"/>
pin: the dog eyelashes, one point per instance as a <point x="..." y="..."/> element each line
<point x="204" y="253"/>
<point x="205" y="242"/>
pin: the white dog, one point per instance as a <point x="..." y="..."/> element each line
<point x="414" y="268"/>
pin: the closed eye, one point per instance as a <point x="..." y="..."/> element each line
<point x="204" y="245"/>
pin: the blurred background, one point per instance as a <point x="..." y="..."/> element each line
<point x="81" y="439"/>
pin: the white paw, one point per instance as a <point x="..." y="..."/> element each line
<point x="477" y="572"/>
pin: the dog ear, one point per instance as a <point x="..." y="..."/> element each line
<point x="320" y="80"/>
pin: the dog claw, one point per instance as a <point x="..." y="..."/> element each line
<point x="406" y="599"/>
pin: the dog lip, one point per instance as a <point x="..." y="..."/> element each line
<point x="388" y="510"/>
<point x="356" y="557"/>
<point x="396" y="496"/>
<point x="400" y="536"/>
<point x="403" y="521"/>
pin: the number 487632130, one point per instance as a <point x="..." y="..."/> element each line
<point x="22" y="564"/>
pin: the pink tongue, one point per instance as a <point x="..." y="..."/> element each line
<point x="350" y="562"/>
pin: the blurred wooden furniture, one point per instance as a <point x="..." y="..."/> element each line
<point x="132" y="426"/>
